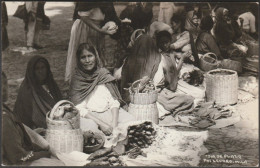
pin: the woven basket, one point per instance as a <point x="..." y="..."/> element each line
<point x="65" y="141"/>
<point x="91" y="149"/>
<point x="73" y="123"/>
<point x="205" y="62"/>
<point x="253" y="48"/>
<point x="147" y="112"/>
<point x="231" y="65"/>
<point x="144" y="98"/>
<point x="222" y="86"/>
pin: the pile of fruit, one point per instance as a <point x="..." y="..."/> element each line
<point x="105" y="157"/>
<point x="141" y="135"/>
<point x="65" y="111"/>
<point x="144" y="85"/>
<point x="92" y="141"/>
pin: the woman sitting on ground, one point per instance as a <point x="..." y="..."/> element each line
<point x="227" y="34"/>
<point x="206" y="42"/>
<point x="17" y="147"/>
<point x="93" y="90"/>
<point x="183" y="41"/>
<point x="38" y="93"/>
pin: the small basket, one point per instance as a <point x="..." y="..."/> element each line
<point x="231" y="65"/>
<point x="222" y="86"/>
<point x="91" y="149"/>
<point x="207" y="62"/>
<point x="73" y="123"/>
<point x="65" y="141"/>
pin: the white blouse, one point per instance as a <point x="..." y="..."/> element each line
<point x="99" y="100"/>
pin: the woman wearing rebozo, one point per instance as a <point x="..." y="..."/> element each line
<point x="90" y="28"/>
<point x="94" y="92"/>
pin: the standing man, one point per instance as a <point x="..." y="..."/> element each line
<point x="33" y="23"/>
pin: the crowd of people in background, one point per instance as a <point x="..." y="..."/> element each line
<point x="159" y="49"/>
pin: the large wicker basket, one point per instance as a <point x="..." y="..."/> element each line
<point x="231" y="65"/>
<point x="222" y="86"/>
<point x="73" y="123"/>
<point x="65" y="141"/>
<point x="208" y="62"/>
<point x="148" y="112"/>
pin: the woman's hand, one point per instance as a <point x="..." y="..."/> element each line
<point x="107" y="130"/>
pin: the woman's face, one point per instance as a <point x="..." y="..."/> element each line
<point x="87" y="60"/>
<point x="40" y="71"/>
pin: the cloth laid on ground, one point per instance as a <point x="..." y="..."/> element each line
<point x="172" y="148"/>
<point x="205" y="115"/>
<point x="244" y="96"/>
<point x="47" y="162"/>
<point x="197" y="92"/>
<point x="74" y="158"/>
<point x="175" y="103"/>
<point x="248" y="84"/>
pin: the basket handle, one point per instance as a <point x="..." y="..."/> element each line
<point x="57" y="105"/>
<point x="210" y="53"/>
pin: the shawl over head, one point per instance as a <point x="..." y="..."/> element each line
<point x="143" y="61"/>
<point x="33" y="102"/>
<point x="84" y="82"/>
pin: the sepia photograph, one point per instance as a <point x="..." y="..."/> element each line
<point x="117" y="83"/>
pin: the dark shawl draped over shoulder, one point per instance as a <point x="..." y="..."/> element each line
<point x="84" y="82"/>
<point x="16" y="143"/>
<point x="143" y="61"/>
<point x="33" y="102"/>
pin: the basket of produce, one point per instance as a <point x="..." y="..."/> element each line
<point x="63" y="115"/>
<point x="92" y="141"/>
<point x="63" y="133"/>
<point x="208" y="62"/>
<point x="65" y="141"/>
<point x="105" y="157"/>
<point x="222" y="86"/>
<point x="143" y="91"/>
<point x="231" y="64"/>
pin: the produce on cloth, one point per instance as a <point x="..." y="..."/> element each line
<point x="92" y="140"/>
<point x="134" y="152"/>
<point x="141" y="135"/>
<point x="194" y="77"/>
<point x="105" y="157"/>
